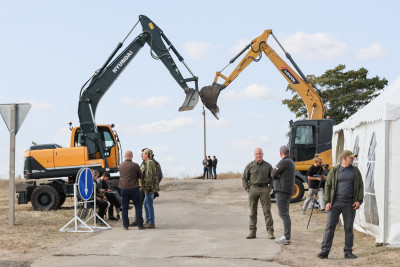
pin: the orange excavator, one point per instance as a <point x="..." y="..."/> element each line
<point x="308" y="137"/>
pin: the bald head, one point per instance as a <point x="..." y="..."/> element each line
<point x="258" y="154"/>
<point x="128" y="155"/>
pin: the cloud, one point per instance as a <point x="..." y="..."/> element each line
<point x="197" y="49"/>
<point x="254" y="91"/>
<point x="40" y="105"/>
<point x="249" y="142"/>
<point x="165" y="126"/>
<point x="315" y="46"/>
<point x="154" y="101"/>
<point x="373" y="51"/>
<point x="240" y="44"/>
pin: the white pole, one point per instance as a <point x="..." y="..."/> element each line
<point x="386" y="185"/>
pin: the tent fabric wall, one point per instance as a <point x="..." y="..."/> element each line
<point x="367" y="132"/>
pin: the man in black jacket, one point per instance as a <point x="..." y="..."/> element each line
<point x="284" y="181"/>
<point x="214" y="166"/>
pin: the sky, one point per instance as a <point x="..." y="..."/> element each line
<point x="49" y="49"/>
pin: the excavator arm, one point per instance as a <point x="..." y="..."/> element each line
<point x="98" y="85"/>
<point x="313" y="102"/>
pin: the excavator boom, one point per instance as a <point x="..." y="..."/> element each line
<point x="209" y="94"/>
<point x="109" y="72"/>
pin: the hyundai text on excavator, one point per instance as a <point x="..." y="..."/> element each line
<point x="307" y="137"/>
<point x="95" y="146"/>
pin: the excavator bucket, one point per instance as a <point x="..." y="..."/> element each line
<point x="209" y="96"/>
<point x="192" y="97"/>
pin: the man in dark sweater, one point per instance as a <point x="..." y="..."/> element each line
<point x="129" y="184"/>
<point x="284" y="180"/>
<point x="344" y="194"/>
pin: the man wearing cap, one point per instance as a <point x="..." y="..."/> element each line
<point x="150" y="186"/>
<point x="344" y="193"/>
<point x="256" y="178"/>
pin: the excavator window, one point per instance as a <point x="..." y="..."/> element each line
<point x="108" y="142"/>
<point x="304" y="142"/>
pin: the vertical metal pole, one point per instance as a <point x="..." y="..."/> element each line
<point x="11" y="220"/>
<point x="204" y="122"/>
<point x="386" y="194"/>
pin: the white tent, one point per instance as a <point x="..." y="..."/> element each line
<point x="374" y="133"/>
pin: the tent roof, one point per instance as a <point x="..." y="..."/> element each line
<point x="386" y="106"/>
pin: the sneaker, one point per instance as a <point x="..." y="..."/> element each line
<point x="118" y="217"/>
<point x="303" y="212"/>
<point x="141" y="228"/>
<point x="349" y="255"/>
<point x="282" y="240"/>
<point x="112" y="218"/>
<point x="323" y="255"/>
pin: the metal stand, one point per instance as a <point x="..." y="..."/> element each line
<point x="81" y="226"/>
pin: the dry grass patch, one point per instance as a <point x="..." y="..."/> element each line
<point x="34" y="231"/>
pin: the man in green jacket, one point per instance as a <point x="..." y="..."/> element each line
<point x="344" y="194"/>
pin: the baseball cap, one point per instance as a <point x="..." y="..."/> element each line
<point x="148" y="151"/>
<point x="348" y="153"/>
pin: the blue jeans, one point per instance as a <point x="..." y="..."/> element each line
<point x="134" y="195"/>
<point x="205" y="171"/>
<point x="215" y="172"/>
<point x="148" y="207"/>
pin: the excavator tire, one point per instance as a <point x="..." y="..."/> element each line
<point x="298" y="191"/>
<point x="45" y="197"/>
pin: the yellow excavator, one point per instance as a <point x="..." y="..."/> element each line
<point x="307" y="137"/>
<point x="91" y="145"/>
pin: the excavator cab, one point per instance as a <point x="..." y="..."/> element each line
<point x="109" y="142"/>
<point x="310" y="137"/>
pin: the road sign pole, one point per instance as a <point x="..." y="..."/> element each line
<point x="11" y="220"/>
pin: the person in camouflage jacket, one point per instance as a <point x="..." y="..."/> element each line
<point x="150" y="187"/>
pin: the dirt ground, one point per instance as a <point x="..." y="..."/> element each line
<point x="37" y="233"/>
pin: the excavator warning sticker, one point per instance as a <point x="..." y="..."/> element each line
<point x="290" y="76"/>
<point x="151" y="26"/>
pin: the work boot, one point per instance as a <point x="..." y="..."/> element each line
<point x="271" y="235"/>
<point x="349" y="255"/>
<point x="150" y="226"/>
<point x="251" y="235"/>
<point x="323" y="255"/>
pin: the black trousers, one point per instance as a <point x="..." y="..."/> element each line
<point x="114" y="202"/>
<point x="348" y="212"/>
<point x="102" y="205"/>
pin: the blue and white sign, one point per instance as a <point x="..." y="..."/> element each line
<point x="85" y="183"/>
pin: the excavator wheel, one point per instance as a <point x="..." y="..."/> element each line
<point x="209" y="96"/>
<point x="45" y="197"/>
<point x="298" y="191"/>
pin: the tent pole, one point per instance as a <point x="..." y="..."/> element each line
<point x="386" y="186"/>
